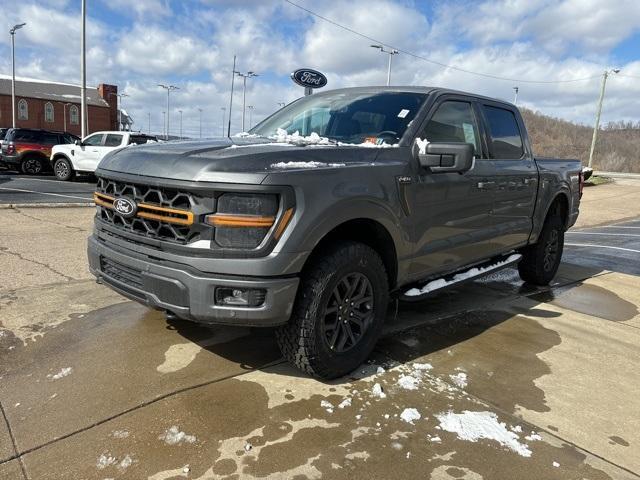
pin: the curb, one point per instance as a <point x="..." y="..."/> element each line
<point x="7" y="206"/>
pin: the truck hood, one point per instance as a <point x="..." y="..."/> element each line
<point x="235" y="160"/>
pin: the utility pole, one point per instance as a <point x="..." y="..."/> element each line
<point x="200" y="111"/>
<point x="244" y="76"/>
<point x="164" y="125"/>
<point x="233" y="77"/>
<point x="13" y="70"/>
<point x="250" y="107"/>
<point x="597" y="125"/>
<point x="391" y="53"/>
<point x="169" y="89"/>
<point x="223" y="117"/>
<point x="515" y="98"/>
<point x="180" y="124"/>
<point x="83" y="74"/>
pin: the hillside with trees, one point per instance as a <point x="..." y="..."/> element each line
<point x="617" y="148"/>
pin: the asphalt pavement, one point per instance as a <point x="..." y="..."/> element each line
<point x="17" y="189"/>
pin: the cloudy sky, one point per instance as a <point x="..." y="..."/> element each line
<point x="137" y="44"/>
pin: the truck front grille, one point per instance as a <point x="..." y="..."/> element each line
<point x="162" y="213"/>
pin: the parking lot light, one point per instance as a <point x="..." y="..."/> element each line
<point x="391" y="52"/>
<point x="244" y="76"/>
<point x="13" y="70"/>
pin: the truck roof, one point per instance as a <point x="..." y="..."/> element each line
<point x="414" y="89"/>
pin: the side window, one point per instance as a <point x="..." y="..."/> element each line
<point x="48" y="112"/>
<point x="49" y="139"/>
<point x="453" y="121"/>
<point x="93" y="140"/>
<point x="113" y="140"/>
<point x="137" y="140"/>
<point x="505" y="134"/>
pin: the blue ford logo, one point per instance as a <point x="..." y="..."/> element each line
<point x="125" y="207"/>
<point x="307" y="77"/>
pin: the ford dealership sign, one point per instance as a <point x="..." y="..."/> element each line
<point x="309" y="78"/>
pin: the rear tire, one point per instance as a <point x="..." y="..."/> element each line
<point x="338" y="313"/>
<point x="32" y="165"/>
<point x="540" y="261"/>
<point x="63" y="170"/>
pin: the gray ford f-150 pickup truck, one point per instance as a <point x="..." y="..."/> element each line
<point x="326" y="209"/>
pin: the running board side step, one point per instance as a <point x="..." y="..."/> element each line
<point x="421" y="291"/>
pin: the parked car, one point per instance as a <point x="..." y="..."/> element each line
<point x="3" y="132"/>
<point x="326" y="209"/>
<point x="28" y="149"/>
<point x="84" y="156"/>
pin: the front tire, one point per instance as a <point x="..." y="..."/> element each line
<point x="338" y="313"/>
<point x="540" y="261"/>
<point x="32" y="165"/>
<point x="63" y="170"/>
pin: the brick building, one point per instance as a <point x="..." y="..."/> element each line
<point x="49" y="105"/>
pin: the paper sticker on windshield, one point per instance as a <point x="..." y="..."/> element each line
<point x="469" y="133"/>
<point x="403" y="113"/>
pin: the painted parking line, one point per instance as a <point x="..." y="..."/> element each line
<point x="601" y="246"/>
<point x="616" y="226"/>
<point x="44" y="193"/>
<point x="605" y="234"/>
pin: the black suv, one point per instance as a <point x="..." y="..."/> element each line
<point x="28" y="149"/>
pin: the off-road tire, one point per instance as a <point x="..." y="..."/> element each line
<point x="32" y="165"/>
<point x="303" y="341"/>
<point x="63" y="170"/>
<point x="541" y="260"/>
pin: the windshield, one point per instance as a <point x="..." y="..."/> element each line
<point x="349" y="117"/>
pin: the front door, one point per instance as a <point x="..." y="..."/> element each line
<point x="87" y="154"/>
<point x="452" y="211"/>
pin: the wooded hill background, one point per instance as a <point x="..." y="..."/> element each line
<point x="617" y="147"/>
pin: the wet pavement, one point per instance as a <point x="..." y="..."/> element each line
<point x="491" y="380"/>
<point x="21" y="189"/>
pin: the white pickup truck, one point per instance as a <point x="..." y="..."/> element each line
<point x="84" y="156"/>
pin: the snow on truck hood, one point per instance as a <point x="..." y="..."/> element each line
<point x="243" y="159"/>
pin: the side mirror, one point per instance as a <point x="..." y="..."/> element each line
<point x="77" y="142"/>
<point x="444" y="157"/>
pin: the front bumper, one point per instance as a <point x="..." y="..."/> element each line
<point x="187" y="293"/>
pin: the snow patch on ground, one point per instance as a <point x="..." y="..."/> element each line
<point x="409" y="415"/>
<point x="61" y="374"/>
<point x="105" y="460"/>
<point x="328" y="406"/>
<point x="459" y="277"/>
<point x="173" y="436"/>
<point x="345" y="403"/>
<point x="377" y="391"/>
<point x="473" y="426"/>
<point x="423" y="366"/>
<point x="533" y="437"/>
<point x="408" y="382"/>
<point x="459" y="379"/>
<point x="120" y="434"/>
<point x="556" y="464"/>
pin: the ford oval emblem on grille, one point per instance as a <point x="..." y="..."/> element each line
<point x="125" y="207"/>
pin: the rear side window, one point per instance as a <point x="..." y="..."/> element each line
<point x="23" y="136"/>
<point x="453" y="121"/>
<point x="505" y="133"/>
<point x="113" y="140"/>
<point x="138" y="140"/>
<point x="49" y="138"/>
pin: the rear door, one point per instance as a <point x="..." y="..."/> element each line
<point x="515" y="174"/>
<point x="452" y="211"/>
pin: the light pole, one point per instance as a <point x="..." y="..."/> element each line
<point x="605" y="75"/>
<point x="391" y="53"/>
<point x="169" y="89"/>
<point x="13" y="70"/>
<point x="250" y="107"/>
<point x="164" y="124"/>
<point x="180" y="124"/>
<point x="149" y="124"/>
<point x="64" y="114"/>
<point x="224" y="109"/>
<point x="83" y="72"/>
<point x="244" y="76"/>
<point x="515" y="98"/>
<point x="119" y="107"/>
<point x="200" y="112"/>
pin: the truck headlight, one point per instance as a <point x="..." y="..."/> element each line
<point x="242" y="220"/>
